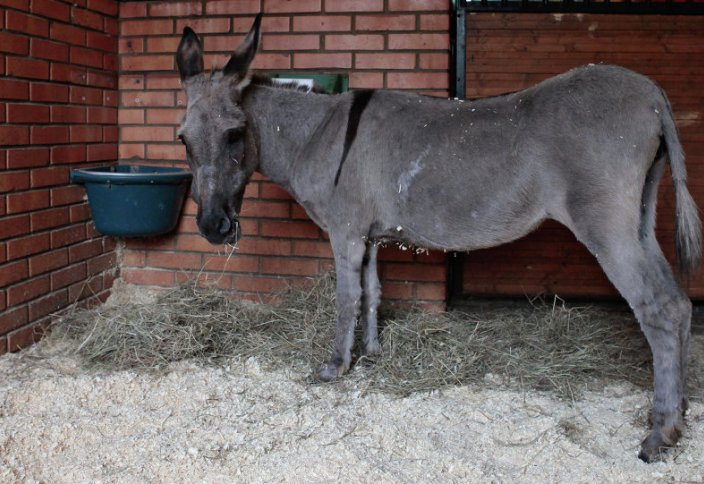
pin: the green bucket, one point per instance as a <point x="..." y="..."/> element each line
<point x="134" y="200"/>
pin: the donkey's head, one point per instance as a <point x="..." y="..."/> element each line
<point x="215" y="134"/>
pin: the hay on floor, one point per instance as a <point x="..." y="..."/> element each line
<point x="542" y="346"/>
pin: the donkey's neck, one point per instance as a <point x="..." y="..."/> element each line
<point x="283" y="122"/>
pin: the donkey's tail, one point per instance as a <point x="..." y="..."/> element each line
<point x="688" y="236"/>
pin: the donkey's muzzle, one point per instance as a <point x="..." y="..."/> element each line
<point x="217" y="227"/>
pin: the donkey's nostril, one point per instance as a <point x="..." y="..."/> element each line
<point x="224" y="225"/>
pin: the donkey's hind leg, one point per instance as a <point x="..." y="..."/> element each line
<point x="638" y="269"/>
<point x="371" y="295"/>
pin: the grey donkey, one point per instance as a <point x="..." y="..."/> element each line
<point x="586" y="148"/>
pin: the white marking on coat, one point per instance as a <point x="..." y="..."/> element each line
<point x="406" y="178"/>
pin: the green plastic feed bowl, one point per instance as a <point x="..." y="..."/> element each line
<point x="134" y="200"/>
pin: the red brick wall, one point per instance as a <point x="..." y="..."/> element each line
<point x="507" y="52"/>
<point x="58" y="110"/>
<point x="396" y="44"/>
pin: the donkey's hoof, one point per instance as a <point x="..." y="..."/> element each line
<point x="656" y="445"/>
<point x="372" y="348"/>
<point x="332" y="371"/>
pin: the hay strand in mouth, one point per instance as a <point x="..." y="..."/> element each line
<point x="542" y="346"/>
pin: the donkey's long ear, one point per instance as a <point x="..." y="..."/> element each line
<point x="241" y="59"/>
<point x="189" y="55"/>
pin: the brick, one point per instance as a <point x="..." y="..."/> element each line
<point x="32" y="244"/>
<point x="102" y="152"/>
<point x="396" y="290"/>
<point x="67" y="235"/>
<point x="102" y="115"/>
<point x="86" y="57"/>
<point x="27" y="201"/>
<point x="68" y="154"/>
<point x="292" y="6"/>
<point x="310" y="248"/>
<point x="107" y="7"/>
<point x="68" y="73"/>
<point x="228" y="7"/>
<point x="48" y="92"/>
<point x="68" y="114"/>
<point x="79" y="212"/>
<point x="52" y="9"/>
<point x="86" y="95"/>
<point x="147" y="277"/>
<point x="131" y="258"/>
<point x="29" y="68"/>
<point x="46" y="219"/>
<point x="130" y="45"/>
<point x="130" y="116"/>
<point x="147" y="63"/>
<point x="419" y="5"/>
<point x="147" y="98"/>
<point x="102" y="79"/>
<point x="289" y="266"/>
<point x="434" y="61"/>
<point x="269" y="24"/>
<point x="110" y="98"/>
<point x="132" y="9"/>
<point x="47" y="305"/>
<point x="435" y="22"/>
<point x="111" y="134"/>
<point x="14" y="89"/>
<point x="354" y="5"/>
<point x="423" y="41"/>
<point x="235" y="263"/>
<point x="12" y="319"/>
<point x="102" y="263"/>
<point x="68" y="33"/>
<point x="44" y="177"/>
<point x="164" y="116"/>
<point x="86" y="18"/>
<point x="290" y="42"/>
<point x="260" y="284"/>
<point x="47" y="135"/>
<point x="27" y="157"/>
<point x="27" y="290"/>
<point x="322" y="23"/>
<point x="16" y="4"/>
<point x="89" y="289"/>
<point x="13" y="272"/>
<point x="131" y="151"/>
<point x="354" y="42"/>
<point x="27" y="113"/>
<point x="46" y="49"/>
<point x="14" y="181"/>
<point x="174" y="260"/>
<point x="110" y="62"/>
<point x="287" y="229"/>
<point x="415" y="272"/>
<point x="385" y="23"/>
<point x="14" y="135"/>
<point x="166" y="152"/>
<point x="272" y="190"/>
<point x="153" y="134"/>
<point x="84" y="250"/>
<point x="417" y="80"/>
<point x="147" y="27"/>
<point x="319" y="61"/>
<point x="66" y="195"/>
<point x="255" y="246"/>
<point x="14" y="44"/>
<point x="399" y="60"/>
<point x="68" y="275"/>
<point x="163" y="80"/>
<point x="14" y="226"/>
<point x="48" y="261"/>
<point x="163" y="44"/>
<point x="205" y="25"/>
<point x="86" y="134"/>
<point x="431" y="292"/>
<point x="171" y="9"/>
<point x="27" y="24"/>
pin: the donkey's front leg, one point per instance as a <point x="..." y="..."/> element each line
<point x="349" y="256"/>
